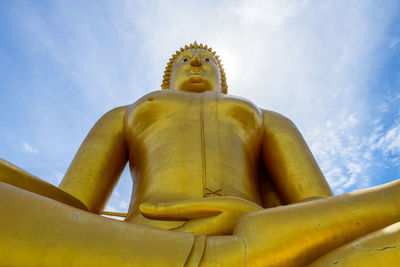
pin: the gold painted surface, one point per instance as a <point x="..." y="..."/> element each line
<point x="379" y="248"/>
<point x="36" y="231"/>
<point x="241" y="179"/>
<point x="98" y="163"/>
<point x="15" y="176"/>
<point x="295" y="235"/>
<point x="290" y="163"/>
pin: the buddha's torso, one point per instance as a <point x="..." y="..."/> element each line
<point x="191" y="145"/>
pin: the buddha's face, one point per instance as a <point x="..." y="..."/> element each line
<point x="195" y="70"/>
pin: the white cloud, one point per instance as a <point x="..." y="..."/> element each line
<point x="341" y="153"/>
<point x="267" y="12"/>
<point x="350" y="154"/>
<point x="389" y="144"/>
<point x="110" y="208"/>
<point x="123" y="204"/>
<point x="27" y="148"/>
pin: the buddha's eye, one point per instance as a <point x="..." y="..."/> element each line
<point x="185" y="59"/>
<point x="207" y="59"/>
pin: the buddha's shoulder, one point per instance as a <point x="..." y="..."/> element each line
<point x="237" y="102"/>
<point x="176" y="99"/>
<point x="164" y="96"/>
<point x="161" y="100"/>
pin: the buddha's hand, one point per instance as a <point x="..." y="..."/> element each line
<point x="210" y="216"/>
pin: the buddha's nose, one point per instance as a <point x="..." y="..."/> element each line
<point x="196" y="62"/>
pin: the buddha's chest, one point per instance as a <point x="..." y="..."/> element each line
<point x="187" y="115"/>
<point x="204" y="144"/>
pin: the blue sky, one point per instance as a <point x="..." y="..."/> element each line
<point x="333" y="67"/>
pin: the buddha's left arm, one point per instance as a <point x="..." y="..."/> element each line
<point x="289" y="161"/>
<point x="99" y="162"/>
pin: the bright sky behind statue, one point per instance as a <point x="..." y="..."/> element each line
<point x="332" y="67"/>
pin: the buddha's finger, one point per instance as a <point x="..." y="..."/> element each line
<point x="197" y="226"/>
<point x="180" y="210"/>
<point x="215" y="225"/>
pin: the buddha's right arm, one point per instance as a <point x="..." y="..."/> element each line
<point x="37" y="231"/>
<point x="99" y="162"/>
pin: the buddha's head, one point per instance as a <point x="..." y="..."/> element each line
<point x="195" y="68"/>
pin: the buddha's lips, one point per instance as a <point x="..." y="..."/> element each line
<point x="196" y="69"/>
<point x="195" y="79"/>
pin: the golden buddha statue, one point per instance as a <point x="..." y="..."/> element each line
<point x="218" y="182"/>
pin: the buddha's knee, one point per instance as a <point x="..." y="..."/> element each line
<point x="379" y="248"/>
